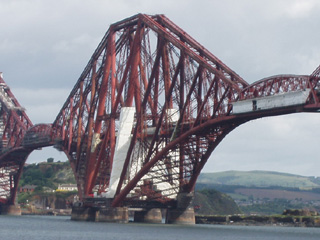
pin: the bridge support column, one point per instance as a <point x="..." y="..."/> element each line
<point x="180" y="216"/>
<point x="153" y="215"/>
<point x="13" y="210"/>
<point x="113" y="214"/>
<point x="81" y="213"/>
<point x="183" y="213"/>
<point x="100" y="214"/>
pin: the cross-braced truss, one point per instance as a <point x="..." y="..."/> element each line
<point x="181" y="97"/>
<point x="148" y="110"/>
<point x="13" y="125"/>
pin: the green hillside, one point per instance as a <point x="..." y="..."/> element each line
<point x="212" y="202"/>
<point x="47" y="175"/>
<point x="259" y="179"/>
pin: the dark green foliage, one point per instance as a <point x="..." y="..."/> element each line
<point x="38" y="189"/>
<point x="48" y="175"/>
<point x="212" y="202"/>
<point x="34" y="177"/>
<point x="23" y="197"/>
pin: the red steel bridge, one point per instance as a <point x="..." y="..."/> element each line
<point x="146" y="113"/>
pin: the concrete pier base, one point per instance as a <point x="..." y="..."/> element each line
<point x="153" y="215"/>
<point x="83" y="213"/>
<point x="13" y="210"/>
<point x="110" y="214"/>
<point x="97" y="214"/>
<point x="180" y="216"/>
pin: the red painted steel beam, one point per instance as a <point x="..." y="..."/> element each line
<point x="150" y="63"/>
<point x="201" y="50"/>
<point x="161" y="30"/>
<point x="164" y="151"/>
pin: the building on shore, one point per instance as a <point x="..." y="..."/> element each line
<point x="67" y="187"/>
<point x="27" y="188"/>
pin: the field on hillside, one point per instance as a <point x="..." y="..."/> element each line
<point x="265" y="193"/>
<point x="257" y="193"/>
<point x="259" y="179"/>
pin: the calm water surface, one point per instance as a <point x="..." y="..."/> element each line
<point x="50" y="227"/>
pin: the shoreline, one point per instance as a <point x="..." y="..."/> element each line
<point x="278" y="220"/>
<point x="51" y="212"/>
<point x="236" y="220"/>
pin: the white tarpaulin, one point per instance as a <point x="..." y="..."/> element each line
<point x="122" y="145"/>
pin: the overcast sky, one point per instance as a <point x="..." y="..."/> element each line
<point x="45" y="46"/>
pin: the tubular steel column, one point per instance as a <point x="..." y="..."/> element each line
<point x="13" y="126"/>
<point x="182" y="97"/>
<point x="148" y="63"/>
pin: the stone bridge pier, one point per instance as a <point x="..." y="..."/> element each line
<point x="10" y="209"/>
<point x="181" y="213"/>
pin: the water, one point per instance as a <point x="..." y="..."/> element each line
<point x="50" y="227"/>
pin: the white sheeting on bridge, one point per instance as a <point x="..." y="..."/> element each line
<point x="276" y="101"/>
<point x="122" y="146"/>
<point x="6" y="99"/>
<point x="165" y="175"/>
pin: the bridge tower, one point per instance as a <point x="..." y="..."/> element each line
<point x="13" y="125"/>
<point x="146" y="113"/>
<point x="148" y="110"/>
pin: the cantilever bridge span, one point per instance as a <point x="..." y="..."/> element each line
<point x="148" y="110"/>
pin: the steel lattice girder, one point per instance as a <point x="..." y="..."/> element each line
<point x="11" y="166"/>
<point x="13" y="125"/>
<point x="13" y="120"/>
<point x="181" y="101"/>
<point x="150" y="64"/>
<point x="182" y="97"/>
